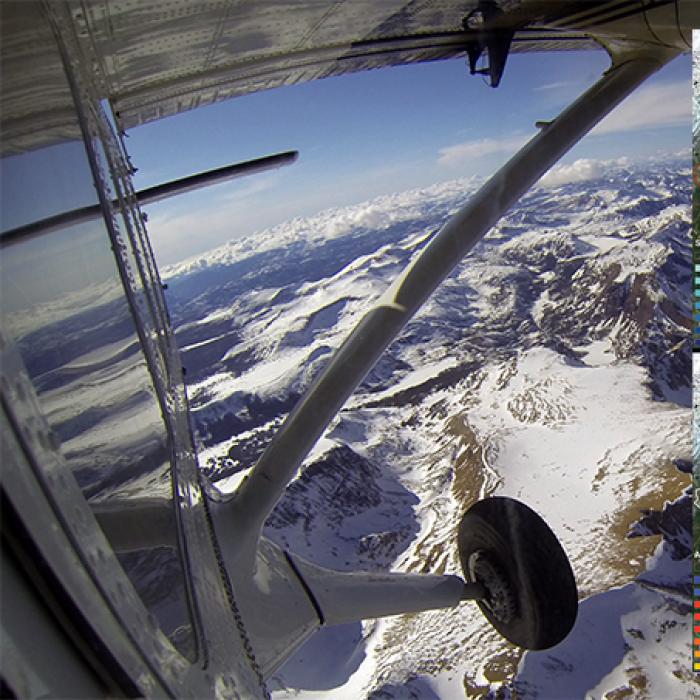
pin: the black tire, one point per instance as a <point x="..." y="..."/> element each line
<point x="531" y="599"/>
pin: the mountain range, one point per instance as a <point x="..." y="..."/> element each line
<point x="553" y="366"/>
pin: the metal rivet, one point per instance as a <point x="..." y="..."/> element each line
<point x="43" y="437"/>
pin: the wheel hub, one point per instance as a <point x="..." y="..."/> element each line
<point x="500" y="600"/>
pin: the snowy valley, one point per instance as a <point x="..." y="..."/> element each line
<point x="554" y="366"/>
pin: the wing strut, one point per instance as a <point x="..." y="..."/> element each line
<point x="254" y="500"/>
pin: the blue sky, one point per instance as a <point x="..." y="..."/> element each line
<point x="382" y="131"/>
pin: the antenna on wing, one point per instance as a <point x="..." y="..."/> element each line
<point x="151" y="195"/>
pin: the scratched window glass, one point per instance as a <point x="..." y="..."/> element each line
<point x="64" y="305"/>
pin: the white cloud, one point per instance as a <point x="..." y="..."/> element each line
<point x="579" y="171"/>
<point x="196" y="222"/>
<point x="650" y="107"/>
<point x="553" y="86"/>
<point x="241" y="191"/>
<point x="180" y="232"/>
<point x="462" y="153"/>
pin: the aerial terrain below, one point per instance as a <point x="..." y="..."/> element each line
<point x="553" y="366"/>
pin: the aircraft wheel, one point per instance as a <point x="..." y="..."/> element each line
<point x="531" y="596"/>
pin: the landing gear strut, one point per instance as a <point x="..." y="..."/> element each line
<point x="531" y="596"/>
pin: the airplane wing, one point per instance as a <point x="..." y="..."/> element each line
<point x="158" y="65"/>
<point x="158" y="59"/>
<point x="153" y="60"/>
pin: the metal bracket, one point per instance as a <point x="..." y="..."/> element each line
<point x="494" y="40"/>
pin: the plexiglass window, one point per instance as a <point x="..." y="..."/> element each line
<point x="64" y="304"/>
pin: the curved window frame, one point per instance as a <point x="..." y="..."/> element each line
<point x="44" y="497"/>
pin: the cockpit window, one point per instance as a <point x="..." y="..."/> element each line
<point x="64" y="305"/>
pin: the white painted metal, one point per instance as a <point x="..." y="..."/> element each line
<point x="155" y="59"/>
<point x="278" y="613"/>
<point x="38" y="658"/>
<point x="73" y="546"/>
<point x="343" y="597"/>
<point x="59" y="523"/>
<point x="287" y="598"/>
<point x="353" y="596"/>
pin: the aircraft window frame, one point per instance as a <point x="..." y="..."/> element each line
<point x="42" y="490"/>
<point x="139" y="279"/>
<point x="40" y="487"/>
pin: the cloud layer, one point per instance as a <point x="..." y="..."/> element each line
<point x="579" y="171"/>
<point x="655" y="106"/>
<point x="463" y="153"/>
<point x="651" y="107"/>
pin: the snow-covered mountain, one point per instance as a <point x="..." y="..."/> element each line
<point x="553" y="366"/>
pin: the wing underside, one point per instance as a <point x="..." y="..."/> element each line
<point x="157" y="59"/>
